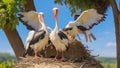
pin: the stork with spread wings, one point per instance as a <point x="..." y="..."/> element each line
<point x="84" y="23"/>
<point x="30" y="19"/>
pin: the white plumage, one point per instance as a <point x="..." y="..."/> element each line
<point x="84" y="23"/>
<point x="60" y="44"/>
<point x="29" y="38"/>
<point x="37" y="40"/>
<point x="89" y="18"/>
<point x="30" y="19"/>
<point x="58" y="38"/>
<point x="71" y="29"/>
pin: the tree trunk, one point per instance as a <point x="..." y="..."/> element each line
<point x="14" y="37"/>
<point x="15" y="41"/>
<point x="116" y="13"/>
<point x="30" y="5"/>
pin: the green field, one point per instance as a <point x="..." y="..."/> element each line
<point x="7" y="60"/>
<point x="108" y="62"/>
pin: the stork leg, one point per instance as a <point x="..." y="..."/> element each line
<point x="78" y="37"/>
<point x="62" y="58"/>
<point x="94" y="38"/>
<point x="90" y="39"/>
<point x="36" y="54"/>
<point x="55" y="58"/>
<point x="86" y="36"/>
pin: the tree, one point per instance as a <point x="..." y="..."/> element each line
<point x="101" y="6"/>
<point x="30" y="5"/>
<point x="116" y="13"/>
<point x="8" y="22"/>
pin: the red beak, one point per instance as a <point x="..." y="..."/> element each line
<point x="41" y="17"/>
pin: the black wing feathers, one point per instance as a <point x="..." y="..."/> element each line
<point x="38" y="36"/>
<point x="25" y="23"/>
<point x="66" y="29"/>
<point x="82" y="28"/>
<point x="62" y="35"/>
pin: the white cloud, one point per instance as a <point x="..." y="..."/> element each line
<point x="109" y="44"/>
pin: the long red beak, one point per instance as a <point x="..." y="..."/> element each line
<point x="55" y="12"/>
<point x="41" y="18"/>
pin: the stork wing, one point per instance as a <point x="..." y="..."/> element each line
<point x="27" y="44"/>
<point x="62" y="35"/>
<point x="89" y="18"/>
<point x="37" y="36"/>
<point x="29" y="38"/>
<point x="30" y="19"/>
<point x="64" y="38"/>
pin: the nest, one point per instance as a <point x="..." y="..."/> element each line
<point x="78" y="56"/>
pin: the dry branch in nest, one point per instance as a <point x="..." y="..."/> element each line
<point x="77" y="56"/>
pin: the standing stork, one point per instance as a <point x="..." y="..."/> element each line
<point x="58" y="38"/>
<point x="37" y="40"/>
<point x="84" y="23"/>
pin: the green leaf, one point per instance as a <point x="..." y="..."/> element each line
<point x="8" y="10"/>
<point x="77" y="5"/>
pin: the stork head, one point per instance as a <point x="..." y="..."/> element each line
<point x="41" y="17"/>
<point x="55" y="12"/>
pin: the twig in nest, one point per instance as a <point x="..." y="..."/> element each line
<point x="82" y="65"/>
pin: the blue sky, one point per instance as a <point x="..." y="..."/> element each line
<point x="104" y="46"/>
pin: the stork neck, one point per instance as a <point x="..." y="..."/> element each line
<point x="44" y="27"/>
<point x="41" y="20"/>
<point x="56" y="26"/>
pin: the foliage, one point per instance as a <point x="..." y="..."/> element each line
<point x="81" y="5"/>
<point x="7" y="64"/>
<point x="109" y="65"/>
<point x="6" y="56"/>
<point x="7" y="60"/>
<point x="8" y="10"/>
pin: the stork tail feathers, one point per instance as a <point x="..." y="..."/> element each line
<point x="28" y="51"/>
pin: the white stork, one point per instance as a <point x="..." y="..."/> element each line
<point x="84" y="23"/>
<point x="58" y="38"/>
<point x="37" y="40"/>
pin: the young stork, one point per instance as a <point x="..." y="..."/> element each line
<point x="84" y="23"/>
<point x="38" y="39"/>
<point x="58" y="38"/>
